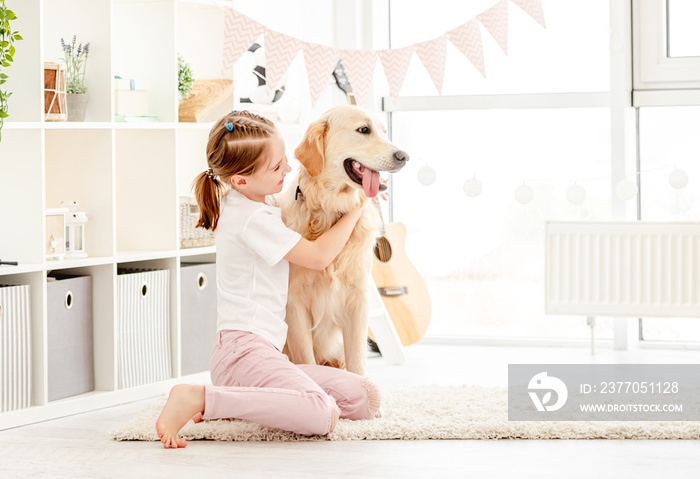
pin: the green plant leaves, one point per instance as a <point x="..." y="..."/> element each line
<point x="7" y="55"/>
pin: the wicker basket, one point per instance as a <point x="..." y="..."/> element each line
<point x="190" y="236"/>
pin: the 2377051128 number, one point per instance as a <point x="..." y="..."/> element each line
<point x="638" y="387"/>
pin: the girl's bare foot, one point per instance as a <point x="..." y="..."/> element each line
<point x="186" y="401"/>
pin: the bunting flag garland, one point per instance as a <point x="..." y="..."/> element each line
<point x="320" y="61"/>
<point x="495" y="20"/>
<point x="239" y="33"/>
<point x="467" y="39"/>
<point x="432" y="54"/>
<point x="395" y="64"/>
<point x="532" y="8"/>
<point x="281" y="50"/>
<point x="360" y="67"/>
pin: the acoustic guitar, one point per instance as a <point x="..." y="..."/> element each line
<point x="401" y="287"/>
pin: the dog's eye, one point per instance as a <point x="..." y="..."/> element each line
<point x="364" y="130"/>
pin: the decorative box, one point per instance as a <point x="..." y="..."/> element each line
<point x="54" y="91"/>
<point x="190" y="235"/>
<point x="130" y="96"/>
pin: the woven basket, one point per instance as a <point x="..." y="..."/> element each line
<point x="190" y="236"/>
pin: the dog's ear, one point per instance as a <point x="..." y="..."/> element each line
<point x="310" y="152"/>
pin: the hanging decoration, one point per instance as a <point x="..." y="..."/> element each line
<point x="678" y="179"/>
<point x="472" y="187"/>
<point x="427" y="175"/>
<point x="240" y="32"/>
<point x="524" y="194"/>
<point x="576" y="194"/>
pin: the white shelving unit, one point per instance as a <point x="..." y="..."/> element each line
<point x="128" y="177"/>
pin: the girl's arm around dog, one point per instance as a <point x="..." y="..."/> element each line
<point x="318" y="254"/>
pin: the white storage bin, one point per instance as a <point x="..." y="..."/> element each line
<point x="71" y="365"/>
<point x="198" y="306"/>
<point x="15" y="350"/>
<point x="143" y="312"/>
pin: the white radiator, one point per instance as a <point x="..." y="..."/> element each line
<point x="623" y="269"/>
<point x="15" y="350"/>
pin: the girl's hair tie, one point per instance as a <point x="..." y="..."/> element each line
<point x="211" y="174"/>
<point x="232" y="112"/>
<point x="229" y="126"/>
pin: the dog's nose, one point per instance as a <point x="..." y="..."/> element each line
<point x="401" y="156"/>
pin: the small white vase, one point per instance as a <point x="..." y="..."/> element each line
<point x="76" y="105"/>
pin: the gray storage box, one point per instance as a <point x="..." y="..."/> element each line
<point x="15" y="350"/>
<point x="143" y="315"/>
<point x="198" y="306"/>
<point x="71" y="365"/>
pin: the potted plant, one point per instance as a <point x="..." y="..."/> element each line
<point x="185" y="79"/>
<point x="75" y="59"/>
<point x="7" y="53"/>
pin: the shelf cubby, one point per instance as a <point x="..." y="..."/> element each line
<point x="145" y="190"/>
<point x="79" y="168"/>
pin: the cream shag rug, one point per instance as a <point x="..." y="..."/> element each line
<point x="417" y="413"/>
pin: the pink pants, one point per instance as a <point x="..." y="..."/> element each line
<point x="253" y="380"/>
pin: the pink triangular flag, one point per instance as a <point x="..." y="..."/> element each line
<point x="395" y="63"/>
<point x="467" y="39"/>
<point x="432" y="54"/>
<point x="239" y="33"/>
<point x="280" y="51"/>
<point x="532" y="8"/>
<point x="360" y="68"/>
<point x="320" y="61"/>
<point x="495" y="20"/>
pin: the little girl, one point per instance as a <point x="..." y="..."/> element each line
<point x="251" y="377"/>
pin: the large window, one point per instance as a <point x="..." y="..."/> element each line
<point x="483" y="257"/>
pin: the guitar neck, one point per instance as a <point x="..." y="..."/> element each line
<point x="381" y="216"/>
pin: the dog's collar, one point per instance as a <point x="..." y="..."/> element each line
<point x="296" y="195"/>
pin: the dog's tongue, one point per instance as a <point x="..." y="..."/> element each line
<point x="370" y="182"/>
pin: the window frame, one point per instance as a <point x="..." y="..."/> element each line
<point x="659" y="80"/>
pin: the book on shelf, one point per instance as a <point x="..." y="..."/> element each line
<point x="136" y="118"/>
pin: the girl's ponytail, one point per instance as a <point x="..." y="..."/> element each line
<point x="208" y="191"/>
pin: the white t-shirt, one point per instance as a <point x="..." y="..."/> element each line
<point x="252" y="276"/>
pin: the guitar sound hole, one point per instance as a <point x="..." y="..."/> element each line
<point x="382" y="250"/>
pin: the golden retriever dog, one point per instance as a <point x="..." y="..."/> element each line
<point x="341" y="155"/>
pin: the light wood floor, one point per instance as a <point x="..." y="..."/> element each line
<point x="80" y="446"/>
